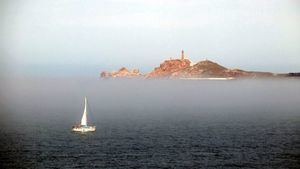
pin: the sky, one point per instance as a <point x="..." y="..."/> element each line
<point x="80" y="37"/>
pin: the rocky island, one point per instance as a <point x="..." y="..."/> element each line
<point x="123" y="72"/>
<point x="183" y="68"/>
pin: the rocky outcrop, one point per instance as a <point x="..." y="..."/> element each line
<point x="202" y="69"/>
<point x="168" y="67"/>
<point x="182" y="68"/>
<point x="123" y="72"/>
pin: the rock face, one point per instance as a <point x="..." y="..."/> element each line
<point x="202" y="69"/>
<point x="168" y="67"/>
<point x="123" y="72"/>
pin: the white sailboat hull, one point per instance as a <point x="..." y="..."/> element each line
<point x="84" y="128"/>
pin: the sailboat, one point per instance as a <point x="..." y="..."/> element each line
<point x="83" y="126"/>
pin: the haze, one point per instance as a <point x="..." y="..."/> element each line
<point x="60" y="97"/>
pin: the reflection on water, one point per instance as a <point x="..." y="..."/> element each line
<point x="151" y="123"/>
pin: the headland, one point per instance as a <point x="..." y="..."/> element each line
<point x="182" y="68"/>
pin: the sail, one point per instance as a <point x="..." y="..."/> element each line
<point x="84" y="116"/>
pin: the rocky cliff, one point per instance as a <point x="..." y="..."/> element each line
<point x="169" y="67"/>
<point x="123" y="72"/>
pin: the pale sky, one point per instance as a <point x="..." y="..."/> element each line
<point x="83" y="37"/>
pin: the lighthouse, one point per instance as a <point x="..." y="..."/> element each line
<point x="182" y="55"/>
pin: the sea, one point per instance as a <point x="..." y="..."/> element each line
<point x="252" y="123"/>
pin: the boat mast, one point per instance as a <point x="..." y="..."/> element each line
<point x="84" y="115"/>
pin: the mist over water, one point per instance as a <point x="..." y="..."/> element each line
<point x="151" y="123"/>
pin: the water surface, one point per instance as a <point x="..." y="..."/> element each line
<point x="150" y="123"/>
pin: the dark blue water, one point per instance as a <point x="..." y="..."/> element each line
<point x="151" y="124"/>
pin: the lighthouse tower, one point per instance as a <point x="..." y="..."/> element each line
<point x="182" y="55"/>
